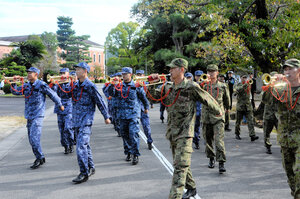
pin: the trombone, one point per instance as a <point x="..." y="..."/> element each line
<point x="60" y="79"/>
<point x="16" y="79"/>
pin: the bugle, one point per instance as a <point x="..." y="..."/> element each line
<point x="204" y="78"/>
<point x="250" y="81"/>
<point x="60" y="79"/>
<point x="14" y="80"/>
<point x="148" y="80"/>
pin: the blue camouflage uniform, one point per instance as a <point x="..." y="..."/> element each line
<point x="197" y="128"/>
<point x="35" y="103"/>
<point x="64" y="118"/>
<point x="85" y="98"/>
<point x="145" y="117"/>
<point x="129" y="112"/>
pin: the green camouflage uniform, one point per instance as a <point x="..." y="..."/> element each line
<point x="270" y="120"/>
<point x="243" y="107"/>
<point x="213" y="126"/>
<point x="180" y="130"/>
<point x="289" y="132"/>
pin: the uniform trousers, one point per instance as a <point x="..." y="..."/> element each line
<point x="34" y="129"/>
<point x="83" y="149"/>
<point x="129" y="129"/>
<point x="66" y="129"/>
<point x="182" y="176"/>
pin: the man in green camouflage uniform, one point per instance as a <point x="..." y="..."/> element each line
<point x="270" y="120"/>
<point x="288" y="115"/>
<point x="213" y="127"/>
<point x="244" y="107"/>
<point x="221" y="78"/>
<point x="181" y="108"/>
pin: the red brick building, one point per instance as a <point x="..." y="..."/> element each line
<point x="96" y="51"/>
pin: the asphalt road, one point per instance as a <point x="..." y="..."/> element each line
<point x="251" y="173"/>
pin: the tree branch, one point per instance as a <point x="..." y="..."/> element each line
<point x="280" y="6"/>
<point x="245" y="12"/>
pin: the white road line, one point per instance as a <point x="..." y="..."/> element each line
<point x="163" y="160"/>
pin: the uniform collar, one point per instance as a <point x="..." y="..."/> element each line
<point x="84" y="83"/>
<point x="35" y="82"/>
<point x="181" y="85"/>
<point x="131" y="83"/>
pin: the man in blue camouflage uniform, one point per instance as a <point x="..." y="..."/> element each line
<point x="129" y="113"/>
<point x="64" y="118"/>
<point x="145" y="117"/>
<point x="85" y="98"/>
<point x="196" y="138"/>
<point x="35" y="92"/>
<point x="189" y="76"/>
<point x="109" y="102"/>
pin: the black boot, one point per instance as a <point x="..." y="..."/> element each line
<point x="211" y="163"/>
<point x="66" y="150"/>
<point x="128" y="158"/>
<point x="150" y="147"/>
<point x="227" y="128"/>
<point x="254" y="137"/>
<point x="197" y="145"/>
<point x="71" y="149"/>
<point x="37" y="163"/>
<point x="238" y="137"/>
<point x="268" y="151"/>
<point x="189" y="193"/>
<point x="80" y="178"/>
<point x="221" y="167"/>
<point x="92" y="171"/>
<point x="135" y="160"/>
<point x="162" y="121"/>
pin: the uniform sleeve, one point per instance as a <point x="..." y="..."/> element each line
<point x="52" y="95"/>
<point x="226" y="98"/>
<point x="111" y="90"/>
<point x="239" y="88"/>
<point x="98" y="100"/>
<point x="205" y="98"/>
<point x="14" y="87"/>
<point x="105" y="91"/>
<point x="142" y="96"/>
<point x="267" y="98"/>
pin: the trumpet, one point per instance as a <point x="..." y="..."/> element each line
<point x="148" y="80"/>
<point x="14" y="80"/>
<point x="267" y="78"/>
<point x="60" y="79"/>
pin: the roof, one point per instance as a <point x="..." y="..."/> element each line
<point x="25" y="37"/>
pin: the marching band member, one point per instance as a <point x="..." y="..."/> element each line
<point x="244" y="108"/>
<point x="35" y="92"/>
<point x="128" y="96"/>
<point x="180" y="99"/>
<point x="85" y="98"/>
<point x="64" y="118"/>
<point x="285" y="92"/>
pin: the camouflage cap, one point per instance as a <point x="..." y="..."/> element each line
<point x="212" y="67"/>
<point x="178" y="62"/>
<point x="294" y="63"/>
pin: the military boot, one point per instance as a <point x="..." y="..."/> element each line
<point x="150" y="147"/>
<point x="135" y="160"/>
<point x="211" y="163"/>
<point x="268" y="151"/>
<point x="37" y="163"/>
<point x="66" y="150"/>
<point x="197" y="145"/>
<point x="238" y="137"/>
<point x="71" y="149"/>
<point x="80" y="178"/>
<point x="189" y="193"/>
<point x="254" y="137"/>
<point x="128" y="158"/>
<point x="221" y="167"/>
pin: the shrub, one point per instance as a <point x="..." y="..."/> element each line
<point x="102" y="81"/>
<point x="6" y="88"/>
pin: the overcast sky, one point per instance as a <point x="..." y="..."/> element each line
<point x="90" y="17"/>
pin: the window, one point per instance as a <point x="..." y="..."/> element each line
<point x="94" y="58"/>
<point x="99" y="58"/>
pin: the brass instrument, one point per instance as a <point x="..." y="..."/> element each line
<point x="144" y="79"/>
<point x="16" y="79"/>
<point x="204" y="78"/>
<point x="268" y="79"/>
<point x="60" y="79"/>
<point x="250" y="81"/>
